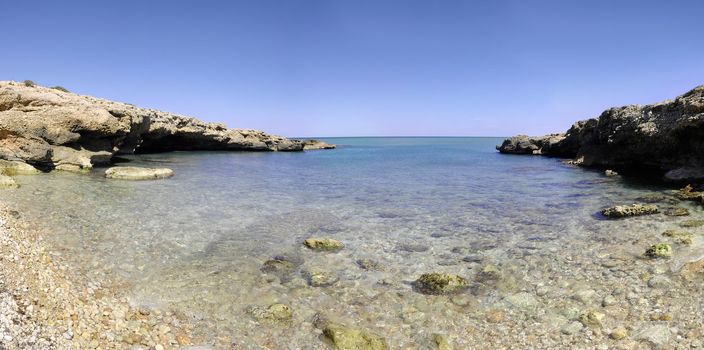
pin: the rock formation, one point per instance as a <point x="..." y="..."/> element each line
<point x="667" y="137"/>
<point x="54" y="129"/>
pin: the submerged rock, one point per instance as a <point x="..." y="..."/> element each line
<point x="272" y="314"/>
<point x="441" y="342"/>
<point x="136" y="173"/>
<point x="610" y="173"/>
<point x="346" y="338"/>
<point x="440" y="283"/>
<point x="591" y="318"/>
<point x="8" y="182"/>
<point x="660" y="250"/>
<point x="692" y="223"/>
<point x="320" y="278"/>
<point x="657" y="335"/>
<point x="11" y="168"/>
<point x="369" y="264"/>
<point x="621" y="211"/>
<point x="676" y="212"/>
<point x="323" y="244"/>
<point x="681" y="237"/>
<point x="688" y="193"/>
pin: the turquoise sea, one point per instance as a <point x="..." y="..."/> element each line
<point x="197" y="243"/>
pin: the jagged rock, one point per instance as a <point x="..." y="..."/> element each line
<point x="309" y="145"/>
<point x="591" y="318"/>
<point x="136" y="173"/>
<point x="346" y="338"/>
<point x="440" y="283"/>
<point x="50" y="128"/>
<point x="666" y="136"/>
<point x="610" y="173"/>
<point x="621" y="211"/>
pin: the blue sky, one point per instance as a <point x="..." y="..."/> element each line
<point x="358" y="67"/>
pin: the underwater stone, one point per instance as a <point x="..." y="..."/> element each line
<point x="441" y="342"/>
<point x="345" y="338"/>
<point x="621" y="211"/>
<point x="274" y="313"/>
<point x="660" y="250"/>
<point x="489" y="272"/>
<point x="618" y="333"/>
<point x="137" y="173"/>
<point x="572" y="328"/>
<point x="677" y="212"/>
<point x="692" y="223"/>
<point x="323" y="244"/>
<point x="681" y="237"/>
<point x="440" y="283"/>
<point x="7" y="182"/>
<point x="320" y="278"/>
<point x="13" y="167"/>
<point x="369" y="264"/>
<point x="591" y="318"/>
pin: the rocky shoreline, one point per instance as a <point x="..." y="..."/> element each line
<point x="51" y="129"/>
<point x="663" y="138"/>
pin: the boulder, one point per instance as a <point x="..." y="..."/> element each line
<point x="621" y="211"/>
<point x="323" y="244"/>
<point x="440" y="283"/>
<point x="660" y="250"/>
<point x="347" y="338"/>
<point x="136" y="173"/>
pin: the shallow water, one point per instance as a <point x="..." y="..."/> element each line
<point x="196" y="242"/>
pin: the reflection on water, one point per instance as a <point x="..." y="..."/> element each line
<point x="197" y="242"/>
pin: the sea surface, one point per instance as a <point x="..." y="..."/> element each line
<point x="196" y="243"/>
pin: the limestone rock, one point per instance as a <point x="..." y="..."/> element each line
<point x="50" y="128"/>
<point x="323" y="244"/>
<point x="346" y="338"/>
<point x="664" y="137"/>
<point x="13" y="167"/>
<point x="309" y="145"/>
<point x="136" y="173"/>
<point x="660" y="250"/>
<point x="440" y="283"/>
<point x="621" y="211"/>
<point x="272" y="314"/>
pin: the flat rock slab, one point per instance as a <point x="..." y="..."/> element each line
<point x="137" y="173"/>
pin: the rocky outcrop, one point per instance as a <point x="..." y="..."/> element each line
<point x="667" y="137"/>
<point x="316" y="144"/>
<point x="50" y="128"/>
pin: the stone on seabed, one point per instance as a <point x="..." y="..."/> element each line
<point x="136" y="173"/>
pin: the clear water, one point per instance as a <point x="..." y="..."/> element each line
<point x="196" y="242"/>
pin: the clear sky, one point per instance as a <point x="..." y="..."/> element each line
<point x="359" y="67"/>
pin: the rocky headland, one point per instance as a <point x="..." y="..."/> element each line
<point x="665" y="138"/>
<point x="51" y="128"/>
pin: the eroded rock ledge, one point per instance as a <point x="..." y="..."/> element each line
<point x="667" y="137"/>
<point x="54" y="129"/>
